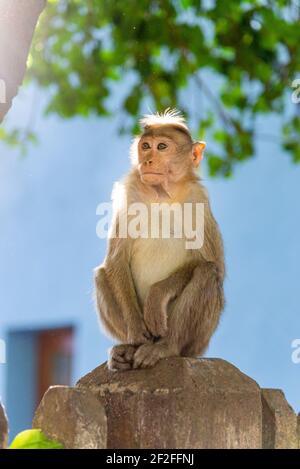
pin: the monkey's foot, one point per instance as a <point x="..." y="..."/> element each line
<point x="148" y="355"/>
<point x="121" y="357"/>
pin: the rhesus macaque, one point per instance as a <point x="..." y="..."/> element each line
<point x="155" y="295"/>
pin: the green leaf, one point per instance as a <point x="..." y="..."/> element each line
<point x="185" y="4"/>
<point x="34" y="439"/>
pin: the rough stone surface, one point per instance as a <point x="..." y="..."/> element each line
<point x="279" y="421"/>
<point x="180" y="403"/>
<point x="73" y="417"/>
<point x="3" y="428"/>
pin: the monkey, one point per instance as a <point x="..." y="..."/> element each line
<point x="157" y="297"/>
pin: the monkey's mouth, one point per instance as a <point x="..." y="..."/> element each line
<point x="152" y="178"/>
<point x="152" y="173"/>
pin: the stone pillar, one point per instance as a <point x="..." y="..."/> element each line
<point x="279" y="421"/>
<point x="3" y="428"/>
<point x="180" y="403"/>
<point x="73" y="417"/>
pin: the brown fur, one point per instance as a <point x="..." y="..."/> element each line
<point x="181" y="311"/>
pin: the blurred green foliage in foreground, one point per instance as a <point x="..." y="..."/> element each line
<point x="34" y="439"/>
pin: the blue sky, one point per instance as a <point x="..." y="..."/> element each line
<point x="48" y="244"/>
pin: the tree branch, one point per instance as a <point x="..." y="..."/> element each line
<point x="214" y="100"/>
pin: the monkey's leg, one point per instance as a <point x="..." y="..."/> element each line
<point x="203" y="311"/>
<point x="192" y="320"/>
<point x="108" y="307"/>
<point x="118" y="304"/>
<point x="159" y="296"/>
<point x="121" y="357"/>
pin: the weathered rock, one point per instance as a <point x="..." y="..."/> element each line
<point x="3" y="428"/>
<point x="279" y="421"/>
<point x="73" y="417"/>
<point x="180" y="403"/>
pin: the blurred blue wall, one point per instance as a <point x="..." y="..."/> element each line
<point x="21" y="379"/>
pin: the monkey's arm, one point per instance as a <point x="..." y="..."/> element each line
<point x="116" y="297"/>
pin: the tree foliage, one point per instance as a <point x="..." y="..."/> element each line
<point x="81" y="49"/>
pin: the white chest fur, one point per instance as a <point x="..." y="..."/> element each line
<point x="155" y="259"/>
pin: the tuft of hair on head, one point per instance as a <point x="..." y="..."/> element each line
<point x="168" y="117"/>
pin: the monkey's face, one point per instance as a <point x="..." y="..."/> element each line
<point x="162" y="157"/>
<point x="155" y="156"/>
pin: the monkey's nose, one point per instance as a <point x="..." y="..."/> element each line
<point x="148" y="162"/>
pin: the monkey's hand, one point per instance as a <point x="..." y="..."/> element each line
<point x="155" y="311"/>
<point x="121" y="357"/>
<point x="148" y="355"/>
<point x="138" y="333"/>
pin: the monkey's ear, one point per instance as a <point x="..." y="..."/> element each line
<point x="197" y="153"/>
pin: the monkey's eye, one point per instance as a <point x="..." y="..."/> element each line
<point x="145" y="146"/>
<point x="161" y="146"/>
